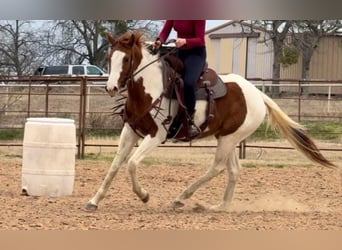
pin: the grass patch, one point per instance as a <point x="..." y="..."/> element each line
<point x="324" y="130"/>
<point x="102" y="133"/>
<point x="11" y="134"/>
<point x="253" y="165"/>
<point x="320" y="130"/>
<point x="99" y="156"/>
<point x="248" y="165"/>
<point x="152" y="161"/>
<point x="265" y="132"/>
<point x="277" y="166"/>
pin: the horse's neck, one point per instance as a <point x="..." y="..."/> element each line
<point x="152" y="74"/>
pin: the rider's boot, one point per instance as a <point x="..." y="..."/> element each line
<point x="193" y="130"/>
<point x="174" y="128"/>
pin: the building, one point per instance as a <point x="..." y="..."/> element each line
<point x="235" y="47"/>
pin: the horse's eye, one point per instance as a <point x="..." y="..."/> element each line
<point x="125" y="59"/>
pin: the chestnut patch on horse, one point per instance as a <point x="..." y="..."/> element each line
<point x="230" y="112"/>
<point x="137" y="108"/>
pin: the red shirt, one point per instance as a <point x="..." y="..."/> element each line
<point x="192" y="30"/>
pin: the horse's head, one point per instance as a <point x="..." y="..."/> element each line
<point x="124" y="58"/>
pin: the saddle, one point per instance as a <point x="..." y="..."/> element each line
<point x="209" y="87"/>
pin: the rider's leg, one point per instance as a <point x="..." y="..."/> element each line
<point x="194" y="61"/>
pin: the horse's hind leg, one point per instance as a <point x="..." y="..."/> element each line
<point x="233" y="167"/>
<point x="212" y="172"/>
<point x="127" y="141"/>
<point x="218" y="166"/>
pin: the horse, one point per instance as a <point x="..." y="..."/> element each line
<point x="132" y="68"/>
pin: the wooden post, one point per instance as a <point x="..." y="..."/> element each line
<point x="242" y="149"/>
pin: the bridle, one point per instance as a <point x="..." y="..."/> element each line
<point x="131" y="70"/>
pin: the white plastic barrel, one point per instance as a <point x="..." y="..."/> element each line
<point x="48" y="165"/>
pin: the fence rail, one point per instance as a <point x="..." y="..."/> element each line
<point x="85" y="100"/>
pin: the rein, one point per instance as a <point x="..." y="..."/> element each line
<point x="132" y="74"/>
<point x="150" y="63"/>
<point x="158" y="100"/>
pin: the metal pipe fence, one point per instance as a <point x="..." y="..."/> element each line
<point x="85" y="100"/>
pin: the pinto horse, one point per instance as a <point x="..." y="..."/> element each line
<point x="237" y="115"/>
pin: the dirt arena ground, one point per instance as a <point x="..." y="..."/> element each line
<point x="278" y="189"/>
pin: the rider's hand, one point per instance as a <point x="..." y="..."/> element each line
<point x="157" y="44"/>
<point x="180" y="42"/>
<point x="155" y="47"/>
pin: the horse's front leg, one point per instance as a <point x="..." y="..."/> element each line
<point x="146" y="147"/>
<point x="127" y="141"/>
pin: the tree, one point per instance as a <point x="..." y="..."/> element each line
<point x="25" y="45"/>
<point x="277" y="31"/>
<point x="291" y="38"/>
<point x="18" y="47"/>
<point x="306" y="35"/>
<point x="79" y="41"/>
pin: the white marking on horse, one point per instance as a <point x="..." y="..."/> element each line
<point x="116" y="63"/>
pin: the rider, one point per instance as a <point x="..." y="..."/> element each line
<point x="192" y="51"/>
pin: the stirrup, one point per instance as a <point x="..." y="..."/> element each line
<point x="193" y="131"/>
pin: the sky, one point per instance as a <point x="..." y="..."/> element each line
<point x="209" y="25"/>
<point x="213" y="23"/>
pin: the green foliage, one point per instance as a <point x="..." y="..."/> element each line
<point x="264" y="132"/>
<point x="98" y="156"/>
<point x="254" y="165"/>
<point x="319" y="130"/>
<point x="289" y="57"/>
<point x="103" y="133"/>
<point x="249" y="165"/>
<point x="278" y="166"/>
<point x="121" y="26"/>
<point x="11" y="134"/>
<point x="324" y="130"/>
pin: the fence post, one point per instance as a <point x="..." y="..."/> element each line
<point x="299" y="99"/>
<point x="242" y="149"/>
<point x="84" y="112"/>
<point x="263" y="86"/>
<point x="80" y="121"/>
<point x="29" y="100"/>
<point x="7" y="100"/>
<point x="329" y="97"/>
<point x="47" y="100"/>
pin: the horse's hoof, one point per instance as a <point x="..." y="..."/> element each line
<point x="199" y="208"/>
<point x="89" y="207"/>
<point x="177" y="204"/>
<point x="24" y="192"/>
<point x="219" y="208"/>
<point x="146" y="198"/>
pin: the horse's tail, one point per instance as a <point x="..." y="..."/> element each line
<point x="294" y="132"/>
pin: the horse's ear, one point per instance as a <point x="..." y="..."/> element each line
<point x="111" y="39"/>
<point x="131" y="40"/>
<point x="136" y="38"/>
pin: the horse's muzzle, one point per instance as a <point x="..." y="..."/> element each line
<point x="112" y="92"/>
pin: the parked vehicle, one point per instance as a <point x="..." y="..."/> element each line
<point x="72" y="70"/>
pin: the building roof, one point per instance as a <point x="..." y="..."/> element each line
<point x="241" y="22"/>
